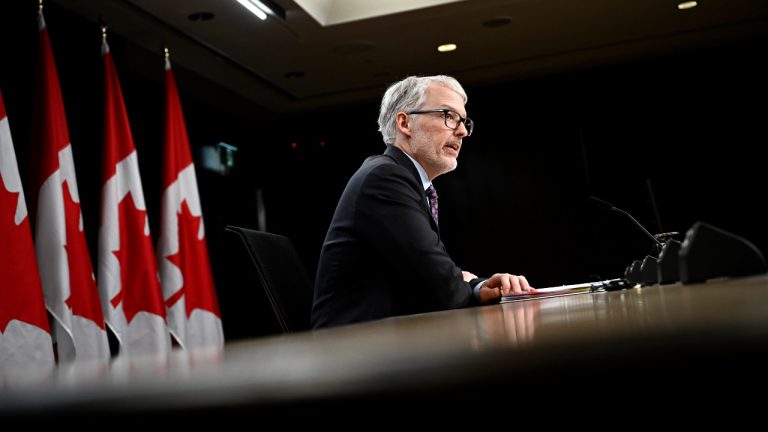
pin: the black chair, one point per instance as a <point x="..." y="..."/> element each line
<point x="281" y="275"/>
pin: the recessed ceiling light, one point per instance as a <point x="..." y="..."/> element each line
<point x="201" y="16"/>
<point x="687" y="5"/>
<point x="446" y="47"/>
<point x="499" y="21"/>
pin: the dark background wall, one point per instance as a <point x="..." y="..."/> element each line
<point x="688" y="129"/>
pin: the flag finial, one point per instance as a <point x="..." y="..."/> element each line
<point x="103" y="26"/>
<point x="40" y="6"/>
<point x="166" y="53"/>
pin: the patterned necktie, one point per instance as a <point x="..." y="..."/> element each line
<point x="432" y="195"/>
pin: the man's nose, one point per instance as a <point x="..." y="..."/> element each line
<point x="461" y="130"/>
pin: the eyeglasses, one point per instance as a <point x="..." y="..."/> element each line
<point x="452" y="119"/>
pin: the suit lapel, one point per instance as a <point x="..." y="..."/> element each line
<point x="402" y="159"/>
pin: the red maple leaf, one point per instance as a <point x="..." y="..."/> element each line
<point x="139" y="284"/>
<point x="192" y="259"/>
<point x="21" y="295"/>
<point x="83" y="294"/>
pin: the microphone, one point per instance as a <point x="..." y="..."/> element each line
<point x="608" y="206"/>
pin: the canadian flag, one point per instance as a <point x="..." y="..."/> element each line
<point x="66" y="272"/>
<point x="185" y="271"/>
<point x="25" y="339"/>
<point x="128" y="279"/>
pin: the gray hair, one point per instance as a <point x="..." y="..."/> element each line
<point x="408" y="95"/>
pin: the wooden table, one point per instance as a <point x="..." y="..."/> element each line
<point x="676" y="343"/>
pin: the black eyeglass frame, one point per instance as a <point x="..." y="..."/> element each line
<point x="469" y="124"/>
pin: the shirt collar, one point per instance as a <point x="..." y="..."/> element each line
<point x="422" y="174"/>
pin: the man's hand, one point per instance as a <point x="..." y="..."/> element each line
<point x="502" y="284"/>
<point x="468" y="276"/>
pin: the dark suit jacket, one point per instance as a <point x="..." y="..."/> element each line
<point x="382" y="255"/>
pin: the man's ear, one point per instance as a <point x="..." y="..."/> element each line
<point x="403" y="122"/>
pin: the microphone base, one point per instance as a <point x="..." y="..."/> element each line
<point x="709" y="252"/>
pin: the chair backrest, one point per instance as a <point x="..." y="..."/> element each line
<point x="282" y="276"/>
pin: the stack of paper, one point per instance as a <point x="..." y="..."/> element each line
<point x="555" y="291"/>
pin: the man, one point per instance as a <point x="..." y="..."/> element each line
<point x="382" y="255"/>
